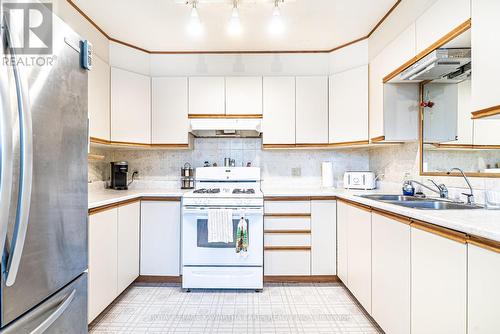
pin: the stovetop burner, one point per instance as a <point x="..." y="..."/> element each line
<point x="207" y="191"/>
<point x="243" y="191"/>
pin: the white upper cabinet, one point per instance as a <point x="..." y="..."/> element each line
<point x="398" y="52"/>
<point x="207" y="96"/>
<point x="348" y="106"/>
<point x="244" y="95"/>
<point x="98" y="105"/>
<point x="486" y="132"/>
<point x="130" y="107"/>
<point x="439" y="20"/>
<point x="483" y="290"/>
<point x="438" y="284"/>
<point x="312" y="110"/>
<point x="279" y="110"/>
<point x="170" y="124"/>
<point x="485" y="50"/>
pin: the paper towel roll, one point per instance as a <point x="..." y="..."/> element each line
<point x="327" y="174"/>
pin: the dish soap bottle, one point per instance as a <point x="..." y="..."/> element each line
<point x="408" y="188"/>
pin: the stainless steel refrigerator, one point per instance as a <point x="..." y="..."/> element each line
<point x="43" y="187"/>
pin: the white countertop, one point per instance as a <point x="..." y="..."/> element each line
<point x="481" y="223"/>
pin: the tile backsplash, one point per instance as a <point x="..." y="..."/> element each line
<point x="164" y="165"/>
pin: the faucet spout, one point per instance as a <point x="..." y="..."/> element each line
<point x="470" y="197"/>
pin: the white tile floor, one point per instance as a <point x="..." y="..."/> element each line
<point x="280" y="308"/>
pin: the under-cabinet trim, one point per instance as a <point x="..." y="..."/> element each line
<point x="440" y="231"/>
<point x="287" y="248"/>
<point x="394" y="216"/>
<point x="223" y="116"/>
<point x="278" y="198"/>
<point x="111" y="206"/>
<point x="484" y="243"/>
<point x="287" y="231"/>
<point x="486" y="112"/>
<point x="357" y="205"/>
<point x="287" y="215"/>
<point x="100" y="141"/>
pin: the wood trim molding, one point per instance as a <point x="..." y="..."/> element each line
<point x="473" y="174"/>
<point x="464" y="146"/>
<point x="158" y="279"/>
<point x="288" y="215"/>
<point x="100" y="141"/>
<point x="112" y="39"/>
<point x="491" y="111"/>
<point x="440" y="42"/>
<point x="286" y="198"/>
<point x="323" y="198"/>
<point x="440" y="231"/>
<point x="287" y="231"/>
<point x="377" y="139"/>
<point x="106" y="207"/>
<point x="487" y="244"/>
<point x="223" y="116"/>
<point x="357" y="205"/>
<point x="402" y="219"/>
<point x="277" y="146"/>
<point x="302" y="279"/>
<point x="93" y="211"/>
<point x="287" y="248"/>
<point x="316" y="145"/>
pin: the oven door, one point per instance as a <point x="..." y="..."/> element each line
<point x="197" y="251"/>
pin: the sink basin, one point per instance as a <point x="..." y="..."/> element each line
<point x="420" y="203"/>
<point x="399" y="198"/>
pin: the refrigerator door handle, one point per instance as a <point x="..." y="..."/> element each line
<point x="55" y="315"/>
<point x="7" y="154"/>
<point x="26" y="170"/>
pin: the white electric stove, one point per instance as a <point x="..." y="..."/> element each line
<point x="218" y="265"/>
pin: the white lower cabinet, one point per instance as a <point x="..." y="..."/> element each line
<point x="103" y="265"/>
<point x="287" y="262"/>
<point x="438" y="284"/>
<point x="483" y="290"/>
<point x="128" y="244"/>
<point x="359" y="241"/>
<point x="323" y="236"/>
<point x="391" y="273"/>
<point x="342" y="225"/>
<point x="160" y="238"/>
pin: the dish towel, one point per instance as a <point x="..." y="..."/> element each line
<point x="242" y="237"/>
<point x="220" y="226"/>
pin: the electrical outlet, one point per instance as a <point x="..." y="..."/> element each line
<point x="296" y="171"/>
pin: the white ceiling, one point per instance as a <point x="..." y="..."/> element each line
<point x="161" y="25"/>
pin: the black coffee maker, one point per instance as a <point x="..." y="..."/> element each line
<point x="119" y="171"/>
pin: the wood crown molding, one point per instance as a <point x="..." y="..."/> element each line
<point x="440" y="42"/>
<point x="487" y="112"/>
<point x="101" y="208"/>
<point x="112" y="39"/>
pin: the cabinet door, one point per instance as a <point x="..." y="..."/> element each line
<point x="485" y="43"/>
<point x="99" y="99"/>
<point x="438" y="20"/>
<point x="160" y="238"/>
<point x="391" y="274"/>
<point x="312" y="110"/>
<point x="170" y="124"/>
<point x="279" y="110"/>
<point x="324" y="236"/>
<point x="103" y="236"/>
<point x="483" y="290"/>
<point x="130" y="107"/>
<point x="128" y="244"/>
<point x="359" y="241"/>
<point x="486" y="132"/>
<point x="348" y="106"/>
<point x="438" y="284"/>
<point x="244" y="95"/>
<point x="342" y="231"/>
<point x="206" y="96"/>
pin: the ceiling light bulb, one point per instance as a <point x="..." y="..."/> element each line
<point x="277" y="26"/>
<point x="234" y="27"/>
<point x="194" y="27"/>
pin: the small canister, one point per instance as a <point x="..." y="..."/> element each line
<point x="187" y="170"/>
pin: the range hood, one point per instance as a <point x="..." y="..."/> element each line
<point x="225" y="127"/>
<point x="440" y="64"/>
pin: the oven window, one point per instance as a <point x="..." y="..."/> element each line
<point x="202" y="235"/>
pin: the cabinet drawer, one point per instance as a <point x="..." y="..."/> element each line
<point x="287" y="239"/>
<point x="287" y="223"/>
<point x="287" y="207"/>
<point x="287" y="262"/>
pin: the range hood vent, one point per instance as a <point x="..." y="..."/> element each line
<point x="226" y="128"/>
<point x="437" y="65"/>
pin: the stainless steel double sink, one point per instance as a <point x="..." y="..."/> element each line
<point x="421" y="203"/>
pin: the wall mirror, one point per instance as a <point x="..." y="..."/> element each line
<point x="449" y="137"/>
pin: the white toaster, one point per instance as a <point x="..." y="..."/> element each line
<point x="359" y="180"/>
